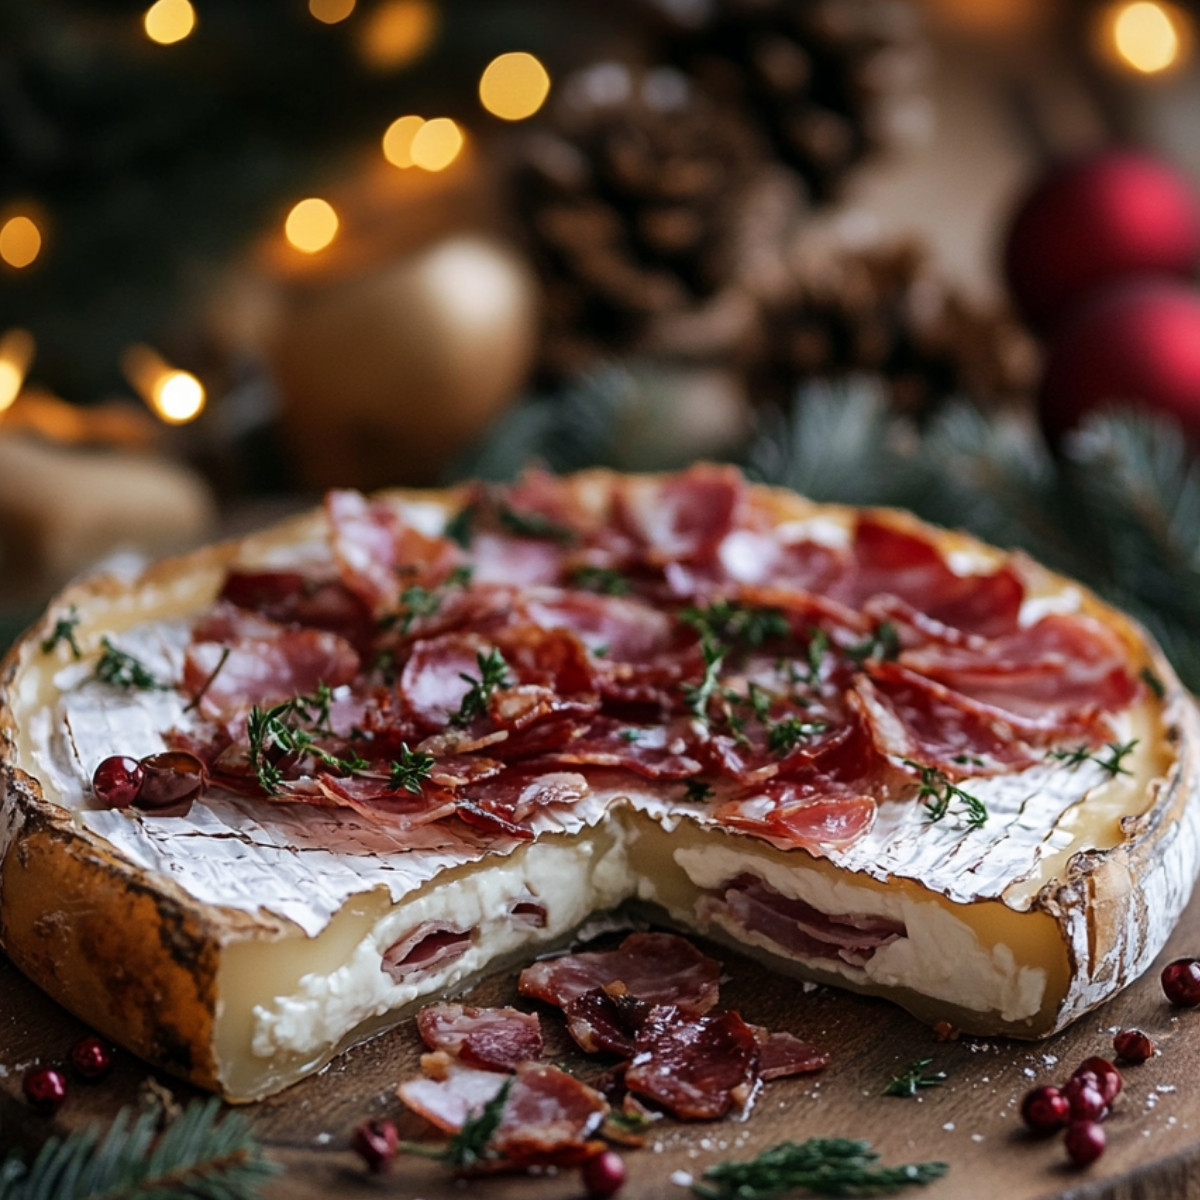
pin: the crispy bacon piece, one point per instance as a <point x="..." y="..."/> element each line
<point x="548" y="1118"/>
<point x="798" y="928"/>
<point x="496" y="1039"/>
<point x="660" y="968"/>
<point x="697" y="1067"/>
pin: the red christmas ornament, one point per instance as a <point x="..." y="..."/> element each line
<point x="1094" y="221"/>
<point x="1137" y="343"/>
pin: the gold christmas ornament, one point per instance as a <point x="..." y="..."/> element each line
<point x="386" y="375"/>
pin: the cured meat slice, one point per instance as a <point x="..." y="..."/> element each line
<point x="657" y="967"/>
<point x="609" y="1020"/>
<point x="431" y="944"/>
<point x="548" y="1115"/>
<point x="521" y="561"/>
<point x="696" y="1067"/>
<point x="782" y="1054"/>
<point x="438" y="675"/>
<point x="266" y="666"/>
<point x="515" y="794"/>
<point x="814" y="813"/>
<point x="798" y="928"/>
<point x="1060" y="665"/>
<point x="497" y="1039"/>
<point x="626" y="630"/>
<point x="290" y="598"/>
<point x="654" y="751"/>
<point x="682" y="518"/>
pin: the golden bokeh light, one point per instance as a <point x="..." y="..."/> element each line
<point x="330" y="12"/>
<point x="311" y="225"/>
<point x="1147" y="36"/>
<point x="398" y="140"/>
<point x="20" y="241"/>
<point x="169" y="21"/>
<point x="514" y="86"/>
<point x="16" y="353"/>
<point x="437" y="144"/>
<point x="178" y="397"/>
<point x="397" y="32"/>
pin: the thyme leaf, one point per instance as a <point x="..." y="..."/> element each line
<point x="786" y="734"/>
<point x="1112" y="762"/>
<point x="461" y="527"/>
<point x="698" y="791"/>
<point x="279" y="730"/>
<point x="697" y="695"/>
<point x="493" y="674"/>
<point x="909" y="1082"/>
<point x="120" y="669"/>
<point x="818" y="646"/>
<point x="824" y="1166"/>
<point x="939" y="792"/>
<point x="417" y="601"/>
<point x="411" y="769"/>
<point x="604" y="580"/>
<point x="534" y="525"/>
<point x="64" y="631"/>
<point x="729" y="621"/>
<point x="882" y="644"/>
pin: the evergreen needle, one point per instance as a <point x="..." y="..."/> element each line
<point x="469" y="1146"/>
<point x="822" y="1166"/>
<point x="911" y="1081"/>
<point x="199" y="1154"/>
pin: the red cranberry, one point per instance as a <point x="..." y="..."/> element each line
<point x="1084" y="1093"/>
<point x="604" y="1173"/>
<point x="1084" y="1141"/>
<point x="1133" y="1046"/>
<point x="1045" y="1109"/>
<point x="172" y="781"/>
<point x="92" y="1058"/>
<point x="1181" y="982"/>
<point x="116" y="781"/>
<point x="1106" y="1073"/>
<point x="45" y="1088"/>
<point x="375" y="1141"/>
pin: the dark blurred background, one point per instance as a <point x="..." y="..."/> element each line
<point x="939" y="253"/>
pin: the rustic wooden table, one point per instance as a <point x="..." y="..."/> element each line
<point x="970" y="1122"/>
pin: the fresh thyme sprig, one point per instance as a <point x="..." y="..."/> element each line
<point x="534" y="525"/>
<point x="909" y="1082"/>
<point x="461" y="527"/>
<point x="786" y="734"/>
<point x="729" y="621"/>
<point x="417" y="601"/>
<point x="493" y="674"/>
<point x="200" y="1153"/>
<point x="469" y="1146"/>
<point x="939" y="792"/>
<point x="411" y="769"/>
<point x="698" y="791"/>
<point x="824" y="1166"/>
<point x="64" y="631"/>
<point x="697" y="695"/>
<point x="814" y="656"/>
<point x="123" y="670"/>
<point x="604" y="580"/>
<point x="1112" y="762"/>
<point x="279" y="730"/>
<point x="882" y="643"/>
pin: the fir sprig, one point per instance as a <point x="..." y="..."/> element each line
<point x="493" y="675"/>
<point x="411" y="769"/>
<point x="938" y="792"/>
<point x="198" y="1154"/>
<point x="470" y="1145"/>
<point x="120" y="669"/>
<point x="64" y="631"/>
<point x="916" y="1077"/>
<point x="1112" y="762"/>
<point x="822" y="1166"/>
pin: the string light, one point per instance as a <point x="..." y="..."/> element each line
<point x="436" y="144"/>
<point x="1147" y="36"/>
<point x="397" y="32"/>
<point x="20" y="241"/>
<point x="16" y="353"/>
<point x="311" y="225"/>
<point x="174" y="396"/>
<point x="330" y="12"/>
<point x="514" y="86"/>
<point x="169" y="21"/>
<point x="398" y="140"/>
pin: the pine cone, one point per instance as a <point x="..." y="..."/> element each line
<point x="631" y="198"/>
<point x="820" y="78"/>
<point x="884" y="311"/>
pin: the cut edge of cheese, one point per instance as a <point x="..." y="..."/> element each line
<point x="246" y="1003"/>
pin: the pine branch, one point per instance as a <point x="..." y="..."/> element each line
<point x="199" y="1155"/>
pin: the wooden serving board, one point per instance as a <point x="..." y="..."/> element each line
<point x="970" y="1122"/>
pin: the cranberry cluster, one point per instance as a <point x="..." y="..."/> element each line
<point x="46" y="1087"/>
<point x="1079" y="1107"/>
<point x="165" y="783"/>
<point x="376" y="1142"/>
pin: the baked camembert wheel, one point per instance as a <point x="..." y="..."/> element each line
<point x="260" y="801"/>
